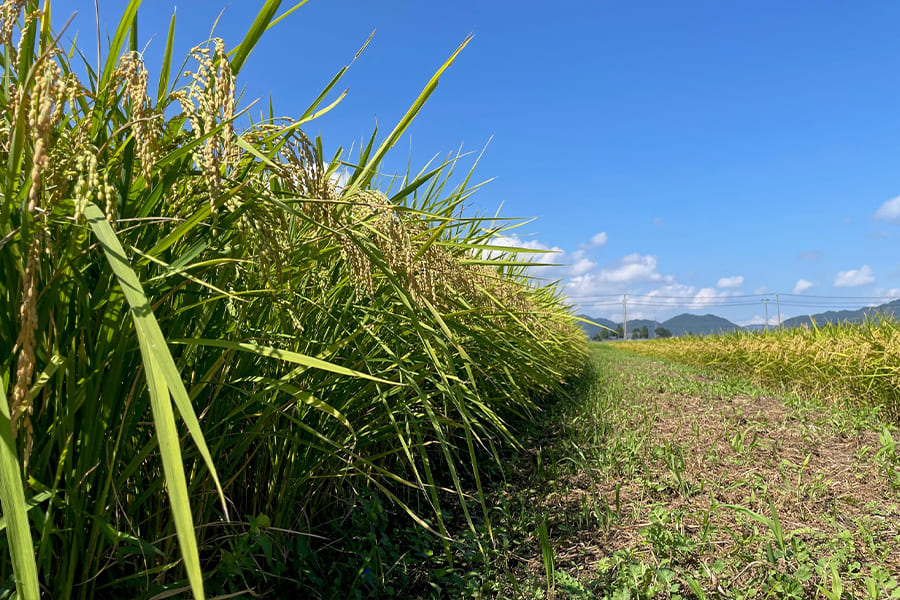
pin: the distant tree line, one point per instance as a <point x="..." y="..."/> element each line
<point x="641" y="333"/>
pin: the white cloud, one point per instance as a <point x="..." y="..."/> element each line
<point x="582" y="266"/>
<point x="889" y="211"/>
<point x="633" y="267"/>
<point x="756" y="320"/>
<point x="545" y="256"/>
<point x="731" y="282"/>
<point x="802" y="285"/>
<point x="585" y="284"/>
<point x="761" y="290"/>
<point x="854" y="277"/>
<point x="599" y="240"/>
<point x="888" y="295"/>
<point x="658" y="222"/>
<point x="678" y="295"/>
<point x="704" y="297"/>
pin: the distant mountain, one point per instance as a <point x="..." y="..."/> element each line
<point x="706" y="324"/>
<point x="699" y="325"/>
<point x="840" y="316"/>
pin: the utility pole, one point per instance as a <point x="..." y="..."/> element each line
<point x="766" y="304"/>
<point x="624" y="316"/>
<point x="778" y="306"/>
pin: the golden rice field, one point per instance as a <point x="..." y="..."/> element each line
<point x="854" y="363"/>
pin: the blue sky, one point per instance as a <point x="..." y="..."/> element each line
<point x="724" y="150"/>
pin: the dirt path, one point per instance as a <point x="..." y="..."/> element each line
<point x="663" y="481"/>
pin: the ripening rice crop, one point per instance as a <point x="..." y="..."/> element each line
<point x="199" y="326"/>
<point x="859" y="363"/>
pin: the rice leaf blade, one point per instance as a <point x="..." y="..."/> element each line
<point x="15" y="509"/>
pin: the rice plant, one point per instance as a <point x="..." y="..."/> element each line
<point x="859" y="363"/>
<point x="167" y="254"/>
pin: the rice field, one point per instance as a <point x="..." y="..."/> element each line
<point x="234" y="365"/>
<point x="213" y="352"/>
<point x="857" y="364"/>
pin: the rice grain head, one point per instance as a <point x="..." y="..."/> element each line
<point x="9" y="15"/>
<point x="133" y="78"/>
<point x="207" y="101"/>
<point x="22" y="403"/>
<point x="41" y="102"/>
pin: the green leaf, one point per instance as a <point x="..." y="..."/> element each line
<point x="293" y="357"/>
<point x="15" y="509"/>
<point x="263" y="19"/>
<point x="115" y="48"/>
<point x="163" y="379"/>
<point x="365" y="172"/>
<point x="163" y="88"/>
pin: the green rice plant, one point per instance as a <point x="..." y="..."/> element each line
<point x="319" y="343"/>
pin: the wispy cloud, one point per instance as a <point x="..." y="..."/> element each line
<point x="546" y="255"/>
<point x="582" y="266"/>
<point x="854" y="277"/>
<point x="802" y="285"/>
<point x="889" y="211"/>
<point x="811" y="255"/>
<point x="731" y="282"/>
<point x="658" y="222"/>
<point x="706" y="297"/>
<point x="891" y="294"/>
<point x="758" y="320"/>
<point x="599" y="240"/>
<point x="634" y="267"/>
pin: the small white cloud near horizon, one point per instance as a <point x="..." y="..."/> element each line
<point x="599" y="240"/>
<point x="889" y="295"/>
<point x="802" y="285"/>
<point x="889" y="211"/>
<point x="854" y="277"/>
<point x="731" y="282"/>
<point x="758" y="320"/>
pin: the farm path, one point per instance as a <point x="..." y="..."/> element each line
<point x="666" y="481"/>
